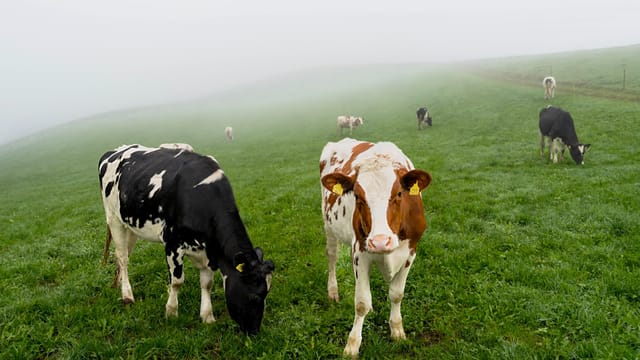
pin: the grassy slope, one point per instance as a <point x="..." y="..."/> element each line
<point x="522" y="258"/>
<point x="613" y="73"/>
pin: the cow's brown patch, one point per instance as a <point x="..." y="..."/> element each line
<point x="355" y="152"/>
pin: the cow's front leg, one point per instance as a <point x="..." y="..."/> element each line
<point x="362" y="305"/>
<point x="175" y="262"/>
<point x="332" y="257"/>
<point x="396" y="293"/>
<point x="206" y="283"/>
<point x="201" y="261"/>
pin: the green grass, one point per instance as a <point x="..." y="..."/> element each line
<point x="613" y="73"/>
<point x="522" y="258"/>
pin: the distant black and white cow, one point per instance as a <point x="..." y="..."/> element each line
<point x="348" y="122"/>
<point x="184" y="200"/>
<point x="424" y="117"/>
<point x="557" y="126"/>
<point x="371" y="200"/>
<point x="549" y="85"/>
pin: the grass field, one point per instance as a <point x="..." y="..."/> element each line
<point x="523" y="259"/>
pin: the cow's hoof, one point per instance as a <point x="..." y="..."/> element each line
<point x="397" y="331"/>
<point x="398" y="334"/>
<point x="352" y="348"/>
<point x="171" y="311"/>
<point x="333" y="295"/>
<point x="209" y="319"/>
<point x="128" y="301"/>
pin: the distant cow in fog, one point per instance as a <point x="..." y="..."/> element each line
<point x="228" y="132"/>
<point x="557" y="126"/>
<point x="174" y="146"/>
<point x="423" y="117"/>
<point x="549" y="84"/>
<point x="348" y="122"/>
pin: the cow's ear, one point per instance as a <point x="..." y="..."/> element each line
<point x="268" y="267"/>
<point x="415" y="177"/>
<point x="337" y="183"/>
<point x="586" y="147"/>
<point x="259" y="254"/>
<point x="241" y="262"/>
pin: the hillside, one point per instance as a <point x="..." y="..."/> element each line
<point x="613" y="72"/>
<point x="522" y="258"/>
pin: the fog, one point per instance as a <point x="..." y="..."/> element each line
<point x="64" y="60"/>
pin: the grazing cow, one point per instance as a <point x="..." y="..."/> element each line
<point x="371" y="200"/>
<point x="557" y="125"/>
<point x="549" y="85"/>
<point x="228" y="132"/>
<point x="184" y="200"/>
<point x="423" y="117"/>
<point x="348" y="122"/>
<point x="182" y="146"/>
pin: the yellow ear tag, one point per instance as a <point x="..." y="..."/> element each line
<point x="337" y="188"/>
<point x="415" y="189"/>
<point x="240" y="267"/>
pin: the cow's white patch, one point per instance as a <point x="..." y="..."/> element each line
<point x="217" y="175"/>
<point x="156" y="181"/>
<point x="151" y="231"/>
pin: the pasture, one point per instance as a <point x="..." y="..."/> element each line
<point x="522" y="258"/>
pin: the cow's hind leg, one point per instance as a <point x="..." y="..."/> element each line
<point x="124" y="241"/>
<point x="175" y="262"/>
<point x="201" y="261"/>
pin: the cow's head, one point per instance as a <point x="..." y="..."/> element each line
<point x="388" y="206"/>
<point x="246" y="290"/>
<point x="357" y="121"/>
<point x="428" y="120"/>
<point x="577" y="152"/>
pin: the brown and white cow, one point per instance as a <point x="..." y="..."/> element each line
<point x="371" y="200"/>
<point x="348" y="122"/>
<point x="549" y="85"/>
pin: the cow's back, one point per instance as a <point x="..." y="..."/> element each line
<point x="557" y="123"/>
<point x="141" y="187"/>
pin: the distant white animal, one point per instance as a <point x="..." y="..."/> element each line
<point x="549" y="84"/>
<point x="228" y="132"/>
<point x="182" y="146"/>
<point x="348" y="122"/>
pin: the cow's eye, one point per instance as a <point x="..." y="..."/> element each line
<point x="399" y="193"/>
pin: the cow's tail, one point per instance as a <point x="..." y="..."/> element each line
<point x="107" y="244"/>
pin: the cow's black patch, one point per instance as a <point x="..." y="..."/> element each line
<point x="107" y="189"/>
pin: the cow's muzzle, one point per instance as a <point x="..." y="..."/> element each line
<point x="380" y="243"/>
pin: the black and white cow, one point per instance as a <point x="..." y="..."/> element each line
<point x="423" y="117"/>
<point x="557" y="126"/>
<point x="184" y="200"/>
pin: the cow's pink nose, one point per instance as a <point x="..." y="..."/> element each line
<point x="380" y="243"/>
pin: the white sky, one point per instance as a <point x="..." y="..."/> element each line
<point x="65" y="59"/>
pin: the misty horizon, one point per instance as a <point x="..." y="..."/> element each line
<point x="73" y="60"/>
